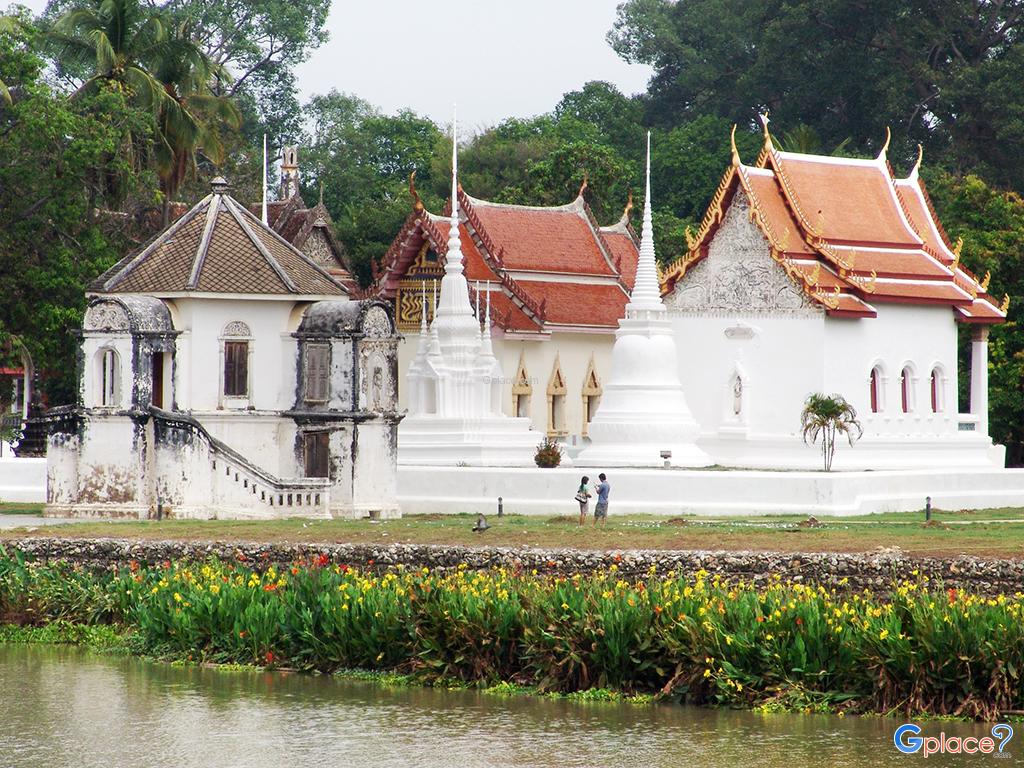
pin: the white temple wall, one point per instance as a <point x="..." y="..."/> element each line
<point x="266" y="440"/>
<point x="90" y="384"/>
<point x="574" y="351"/>
<point x="778" y="360"/>
<point x="921" y="337"/>
<point x="200" y="364"/>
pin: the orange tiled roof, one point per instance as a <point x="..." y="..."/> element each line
<point x="546" y="266"/>
<point x="849" y="233"/>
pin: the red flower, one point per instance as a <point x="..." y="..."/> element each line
<point x="952" y="596"/>
<point x="343" y="568"/>
<point x="370" y="561"/>
<point x="617" y="558"/>
<point x="269" y="587"/>
<point x="133" y="565"/>
<point x="760" y="619"/>
<point x="799" y="621"/>
<point x="323" y="560"/>
<point x="295" y="571"/>
<point x="657" y="609"/>
<point x="269" y="657"/>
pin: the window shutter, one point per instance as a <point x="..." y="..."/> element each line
<point x="236" y="368"/>
<point x="317" y="372"/>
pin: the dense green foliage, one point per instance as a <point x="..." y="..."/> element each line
<point x="915" y="649"/>
<point x="109" y="109"/>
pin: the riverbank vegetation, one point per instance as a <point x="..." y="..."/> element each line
<point x="983" y="533"/>
<point x="918" y="648"/>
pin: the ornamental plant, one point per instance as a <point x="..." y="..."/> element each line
<point x="916" y="647"/>
<point x="549" y="453"/>
<point x="826" y="416"/>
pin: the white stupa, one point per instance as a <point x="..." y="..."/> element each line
<point x="643" y="413"/>
<point x="455" y="380"/>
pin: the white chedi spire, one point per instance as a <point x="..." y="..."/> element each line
<point x="643" y="419"/>
<point x="646" y="295"/>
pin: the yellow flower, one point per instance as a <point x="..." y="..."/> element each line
<point x="707" y="673"/>
<point x="883" y="634"/>
<point x="177" y="597"/>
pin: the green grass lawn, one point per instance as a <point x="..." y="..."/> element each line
<point x="18" y="508"/>
<point x="992" y="533"/>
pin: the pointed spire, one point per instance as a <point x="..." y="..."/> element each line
<point x="646" y="294"/>
<point x="435" y="340"/>
<point x="486" y="350"/>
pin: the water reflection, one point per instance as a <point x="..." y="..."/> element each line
<point x="59" y="706"/>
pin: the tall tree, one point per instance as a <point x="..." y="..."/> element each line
<point x="940" y="72"/>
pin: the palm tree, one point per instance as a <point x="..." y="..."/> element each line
<point x="190" y="113"/>
<point x="827" y="416"/>
<point x="7" y="24"/>
<point x="115" y="40"/>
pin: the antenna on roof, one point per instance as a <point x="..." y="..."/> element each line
<point x="263" y="217"/>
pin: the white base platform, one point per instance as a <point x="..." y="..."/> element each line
<point x="423" y="490"/>
<point x="23" y="480"/>
<point x="454" y="442"/>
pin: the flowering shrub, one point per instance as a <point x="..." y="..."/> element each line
<point x="916" y="648"/>
<point x="548" y="454"/>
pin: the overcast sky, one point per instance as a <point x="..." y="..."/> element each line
<point x="496" y="59"/>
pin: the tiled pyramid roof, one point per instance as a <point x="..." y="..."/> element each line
<point x="218" y="247"/>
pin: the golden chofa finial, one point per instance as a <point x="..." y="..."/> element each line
<point x="583" y="186"/>
<point x="417" y="204"/>
<point x="917" y="164"/>
<point x="986" y="281"/>
<point x="764" y="125"/>
<point x="732" y="142"/>
<point x="629" y="206"/>
<point x="885" y="147"/>
<point x="1005" y="306"/>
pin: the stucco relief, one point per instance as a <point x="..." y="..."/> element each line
<point x="237" y="328"/>
<point x="106" y="317"/>
<point x="318" y="248"/>
<point x="376" y="323"/>
<point x="739" y="273"/>
<point x="376" y="381"/>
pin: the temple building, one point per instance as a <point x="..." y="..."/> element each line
<point x="310" y="230"/>
<point x="556" y="283"/>
<point x="225" y="373"/>
<point x="824" y="274"/>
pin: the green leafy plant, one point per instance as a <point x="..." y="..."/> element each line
<point x="549" y="453"/>
<point x="826" y="416"/>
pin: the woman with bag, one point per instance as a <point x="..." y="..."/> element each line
<point x="583" y="497"/>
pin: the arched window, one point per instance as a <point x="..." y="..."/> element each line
<point x="522" y="390"/>
<point x="592" y="392"/>
<point x="907" y="389"/>
<point x="235" y="340"/>
<point x="876" y="390"/>
<point x="556" y="401"/>
<point x="937" y="386"/>
<point x="108" y="378"/>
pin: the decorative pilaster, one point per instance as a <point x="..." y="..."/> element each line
<point x="979" y="376"/>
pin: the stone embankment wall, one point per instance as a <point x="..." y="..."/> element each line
<point x="875" y="571"/>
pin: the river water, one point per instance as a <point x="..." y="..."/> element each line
<point x="64" y="707"/>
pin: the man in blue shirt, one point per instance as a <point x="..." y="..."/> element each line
<point x="601" y="508"/>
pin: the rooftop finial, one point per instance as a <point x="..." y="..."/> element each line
<point x="885" y="146"/>
<point x="629" y="206"/>
<point x="219" y="185"/>
<point x="732" y="142"/>
<point x="583" y="186"/>
<point x="917" y="164"/>
<point x="764" y="126"/>
<point x="417" y="204"/>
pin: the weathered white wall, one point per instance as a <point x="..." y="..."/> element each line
<point x="272" y="360"/>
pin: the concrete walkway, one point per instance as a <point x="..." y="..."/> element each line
<point x="31" y="521"/>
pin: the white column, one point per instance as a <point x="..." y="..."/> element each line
<point x="979" y="376"/>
